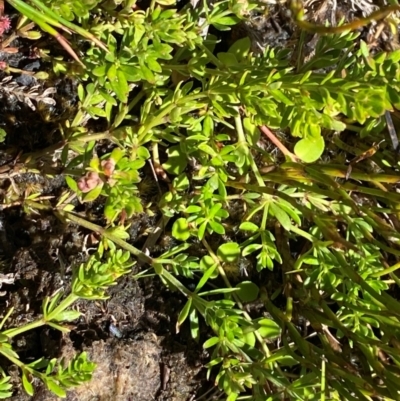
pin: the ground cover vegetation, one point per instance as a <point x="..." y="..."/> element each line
<point x="274" y="170"/>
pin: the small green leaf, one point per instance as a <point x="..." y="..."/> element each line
<point x="96" y="111"/>
<point x="183" y="314"/>
<point x="249" y="338"/>
<point x="281" y="216"/>
<point x="208" y="126"/>
<point x="217" y="227"/>
<point x="194" y="325"/>
<point x="176" y="162"/>
<point x="140" y="30"/>
<point x="153" y="65"/>
<point x="248" y="226"/>
<point x="131" y="72"/>
<point x="193" y="209"/>
<point x="228" y="59"/>
<point x="67" y="316"/>
<point x="229" y="252"/>
<point x="232" y="397"/>
<point x="211" y="342"/>
<point x="248" y="291"/>
<point x="28" y="387"/>
<point x="207" y="262"/>
<point x="251" y="248"/>
<point x="118" y="83"/>
<point x="209" y="273"/>
<point x="81" y="92"/>
<point x="39" y="364"/>
<point x="228" y="20"/>
<point x="202" y="230"/>
<point x="180" y="229"/>
<point x="166" y="2"/>
<point x="3" y="135"/>
<point x="55" y="388"/>
<point x="147" y="73"/>
<point x="181" y="183"/>
<point x="117" y="154"/>
<point x="112" y="72"/>
<point x="240" y="49"/>
<point x="93" y="194"/>
<point x="280" y="97"/>
<point x="310" y="150"/>
<point x="71" y="183"/>
<point x="100" y="71"/>
<point x="364" y="49"/>
<point x="268" y="328"/>
<point x="252" y="131"/>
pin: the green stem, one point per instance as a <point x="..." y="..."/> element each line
<point x="107" y="234"/>
<point x="159" y="118"/>
<point x="156" y="155"/>
<point x="62" y="306"/>
<point x="29" y="326"/>
<point x="136" y="100"/>
<point x="80" y="115"/>
<point x="65" y="304"/>
<point x="62" y="23"/>
<point x="242" y="141"/>
<point x="14" y="360"/>
<point x="383" y="272"/>
<point x="46" y="23"/>
<point x="33" y="14"/>
<point x="92" y="137"/>
<point x="211" y="56"/>
<point x="300" y="59"/>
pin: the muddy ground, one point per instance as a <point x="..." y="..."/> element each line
<point x="132" y="336"/>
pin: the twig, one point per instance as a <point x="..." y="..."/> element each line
<point x="271" y="136"/>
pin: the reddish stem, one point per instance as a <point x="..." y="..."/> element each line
<point x="271" y="136"/>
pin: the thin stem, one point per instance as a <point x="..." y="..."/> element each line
<point x="268" y="133"/>
<point x="298" y="11"/>
<point x="155" y="121"/>
<point x="243" y="142"/>
<point x="65" y="23"/>
<point x="92" y="137"/>
<point x="105" y="233"/>
<point x="300" y="51"/>
<point x="47" y="23"/>
<point x="14" y="360"/>
<point x="159" y="118"/>
<point x="388" y="270"/>
<point x="136" y="100"/>
<point x="6" y="317"/>
<point x="29" y="326"/>
<point x="63" y="305"/>
<point x="211" y="56"/>
<point x="80" y="115"/>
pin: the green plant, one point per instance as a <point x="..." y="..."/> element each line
<point x="90" y="281"/>
<point x="198" y="117"/>
<point x="113" y="176"/>
<point x="48" y="20"/>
